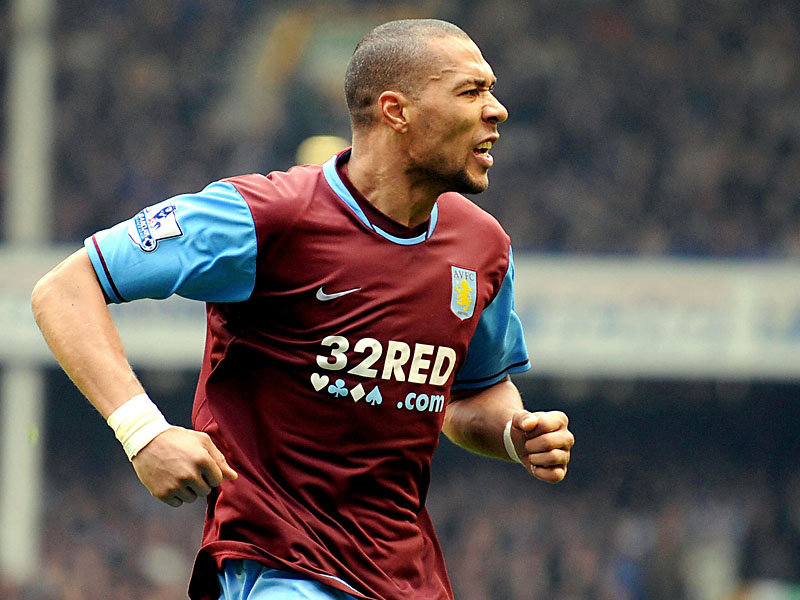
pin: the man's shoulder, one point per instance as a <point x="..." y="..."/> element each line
<point x="280" y="197"/>
<point x="460" y="209"/>
<point x="277" y="183"/>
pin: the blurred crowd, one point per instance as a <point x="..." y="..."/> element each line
<point x="637" y="127"/>
<point x="647" y="127"/>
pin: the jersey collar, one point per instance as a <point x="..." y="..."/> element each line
<point x="340" y="189"/>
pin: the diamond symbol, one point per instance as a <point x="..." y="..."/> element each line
<point x="357" y="392"/>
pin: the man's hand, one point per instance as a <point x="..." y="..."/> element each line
<point x="181" y="465"/>
<point x="543" y="443"/>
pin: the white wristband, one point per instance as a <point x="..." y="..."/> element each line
<point x="136" y="423"/>
<point x="509" y="444"/>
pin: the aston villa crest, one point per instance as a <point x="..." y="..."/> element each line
<point x="463" y="292"/>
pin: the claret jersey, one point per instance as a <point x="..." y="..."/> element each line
<point x="334" y="339"/>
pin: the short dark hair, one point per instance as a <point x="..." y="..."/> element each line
<point x="390" y="57"/>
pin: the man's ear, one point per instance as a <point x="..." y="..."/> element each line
<point x="394" y="110"/>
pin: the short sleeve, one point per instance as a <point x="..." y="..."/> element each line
<point x="201" y="246"/>
<point x="497" y="347"/>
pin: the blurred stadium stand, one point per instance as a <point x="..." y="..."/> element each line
<point x="649" y="176"/>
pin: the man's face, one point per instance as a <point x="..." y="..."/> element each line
<point x="454" y="119"/>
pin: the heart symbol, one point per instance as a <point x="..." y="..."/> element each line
<point x="319" y="381"/>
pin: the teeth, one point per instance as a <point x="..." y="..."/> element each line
<point x="484" y="146"/>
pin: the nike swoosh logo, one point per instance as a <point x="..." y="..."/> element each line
<point x="323" y="297"/>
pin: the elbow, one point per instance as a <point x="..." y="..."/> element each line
<point x="71" y="283"/>
<point x="42" y="292"/>
<point x="49" y="291"/>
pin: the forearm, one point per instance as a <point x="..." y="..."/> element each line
<point x="176" y="465"/>
<point x="71" y="311"/>
<point x="476" y="422"/>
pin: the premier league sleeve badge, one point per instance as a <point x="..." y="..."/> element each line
<point x="153" y="224"/>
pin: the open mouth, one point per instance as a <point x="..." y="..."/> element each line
<point x="481" y="152"/>
<point x="483" y="148"/>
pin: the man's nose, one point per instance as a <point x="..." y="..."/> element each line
<point x="494" y="111"/>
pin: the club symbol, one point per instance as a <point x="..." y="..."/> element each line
<point x="337" y="388"/>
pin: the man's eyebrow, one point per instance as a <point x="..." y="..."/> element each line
<point x="480" y="82"/>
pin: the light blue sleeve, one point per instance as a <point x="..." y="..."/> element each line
<point x="201" y="246"/>
<point x="498" y="346"/>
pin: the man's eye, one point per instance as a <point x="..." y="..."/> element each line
<point x="474" y="92"/>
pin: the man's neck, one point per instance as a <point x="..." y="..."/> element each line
<point x="383" y="181"/>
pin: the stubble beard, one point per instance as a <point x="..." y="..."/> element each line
<point x="454" y="180"/>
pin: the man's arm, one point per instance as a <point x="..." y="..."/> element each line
<point x="70" y="308"/>
<point x="476" y="420"/>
